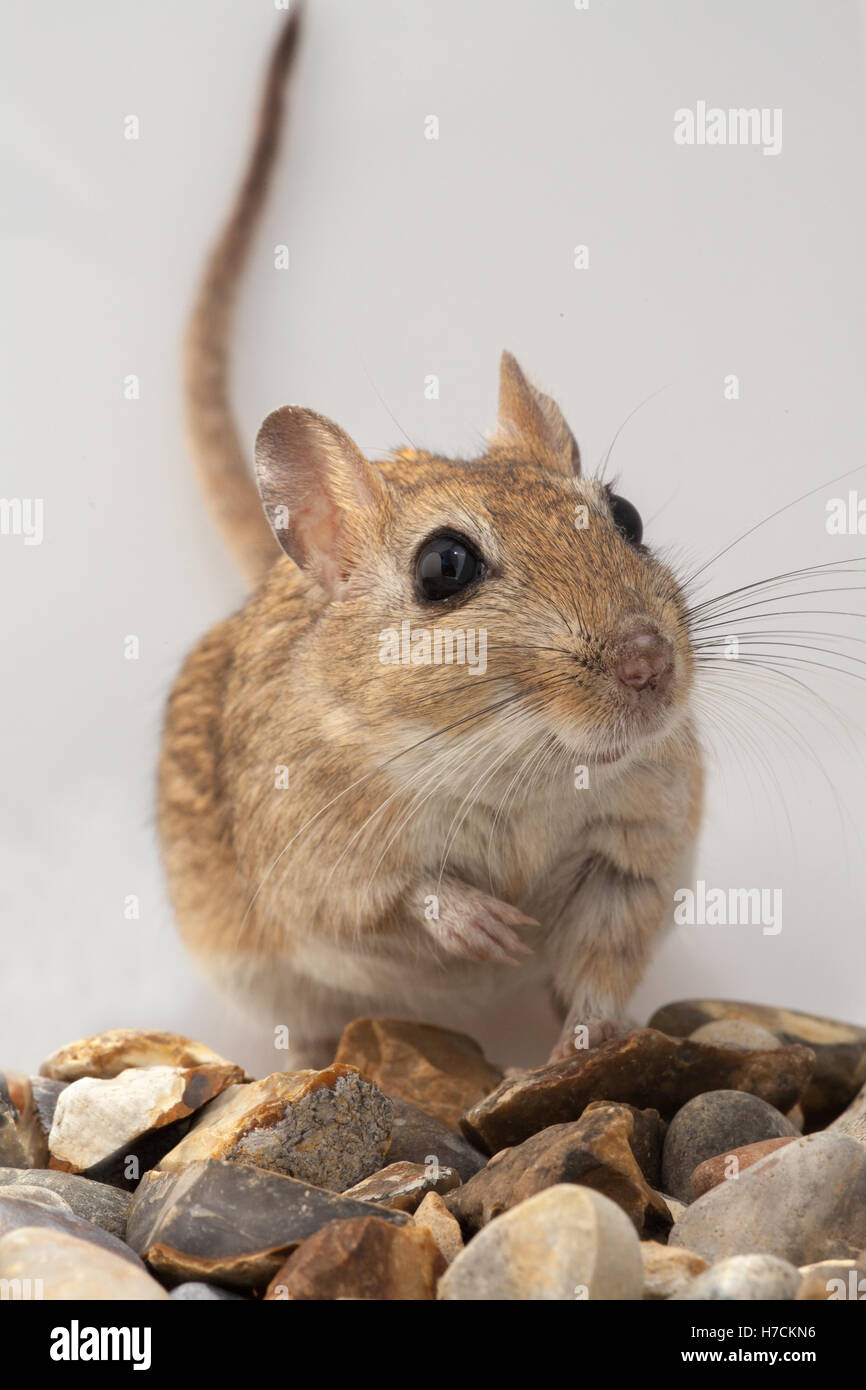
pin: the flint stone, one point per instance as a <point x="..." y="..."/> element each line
<point x="743" y="1278"/>
<point x="668" y="1269"/>
<point x="108" y="1054"/>
<point x="327" y="1127"/>
<point x="45" y="1095"/>
<point x="711" y="1124"/>
<point x="804" y="1203"/>
<point x="435" y="1217"/>
<point x="645" y="1069"/>
<point x="611" y="1149"/>
<point x="717" y="1169"/>
<point x="230" y="1223"/>
<point x="64" y="1267"/>
<point x="565" y="1243"/>
<point x="440" y="1071"/>
<point x="98" y="1125"/>
<point x="22" y="1138"/>
<point x="419" y="1138"/>
<point x="22" y="1209"/>
<point x="93" y="1201"/>
<point x="362" y="1258"/>
<point x="832" y="1281"/>
<point x="736" y="1032"/>
<point x="839" y="1048"/>
<point x="402" y="1186"/>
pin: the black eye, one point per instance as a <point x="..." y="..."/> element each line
<point x="626" y="519"/>
<point x="446" y="565"/>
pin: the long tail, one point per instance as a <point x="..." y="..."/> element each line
<point x="221" y="461"/>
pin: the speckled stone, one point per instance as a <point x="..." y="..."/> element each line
<point x="743" y="1278"/>
<point x="566" y="1243"/>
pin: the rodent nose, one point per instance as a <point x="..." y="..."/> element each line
<point x="646" y="660"/>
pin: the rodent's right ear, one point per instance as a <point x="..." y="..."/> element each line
<point x="320" y="496"/>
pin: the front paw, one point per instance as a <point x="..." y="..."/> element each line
<point x="577" y="1038"/>
<point x="479" y="927"/>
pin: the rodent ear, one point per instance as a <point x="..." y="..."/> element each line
<point x="530" y="420"/>
<point x="319" y="494"/>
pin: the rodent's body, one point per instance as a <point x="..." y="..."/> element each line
<point x="304" y="895"/>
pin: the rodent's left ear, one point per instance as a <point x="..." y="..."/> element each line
<point x="532" y="421"/>
<point x="320" y="495"/>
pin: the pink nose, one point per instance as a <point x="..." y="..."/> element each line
<point x="646" y="660"/>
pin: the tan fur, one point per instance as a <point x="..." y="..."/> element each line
<point x="406" y="783"/>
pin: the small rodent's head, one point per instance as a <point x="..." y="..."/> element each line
<point x="507" y="594"/>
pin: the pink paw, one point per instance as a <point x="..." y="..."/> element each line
<point x="479" y="927"/>
<point x="583" y="1037"/>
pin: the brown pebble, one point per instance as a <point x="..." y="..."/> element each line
<point x="716" y="1169"/>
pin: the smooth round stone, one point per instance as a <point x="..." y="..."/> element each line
<point x="743" y="1278"/>
<point x="63" y="1267"/>
<point x="736" y="1032"/>
<point x="567" y="1243"/>
<point x="42" y="1196"/>
<point x="711" y="1124"/>
<point x="197" y="1292"/>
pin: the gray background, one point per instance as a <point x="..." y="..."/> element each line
<point x="412" y="257"/>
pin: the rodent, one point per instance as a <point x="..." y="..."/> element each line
<point x="431" y="828"/>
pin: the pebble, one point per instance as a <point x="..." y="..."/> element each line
<point x="55" y="1265"/>
<point x="329" y="1127"/>
<point x="443" y="1227"/>
<point x="107" y="1054"/>
<point x="712" y="1124"/>
<point x="804" y="1203"/>
<point x="440" y="1071"/>
<point x="197" y="1292"/>
<point x="45" y="1095"/>
<point x="645" y="1069"/>
<point x="743" y="1278"/>
<point x="93" y="1201"/>
<point x="22" y="1138"/>
<point x="98" y="1124"/>
<point x="667" y="1269"/>
<point x="419" y="1138"/>
<point x="853" y="1120"/>
<point x="613" y="1149"/>
<point x="402" y="1186"/>
<point x="717" y="1169"/>
<point x="362" y="1258"/>
<point x="833" y="1281"/>
<point x="565" y="1243"/>
<point x="48" y="1210"/>
<point x="736" y="1032"/>
<point x="230" y="1223"/>
<point x="839" y="1048"/>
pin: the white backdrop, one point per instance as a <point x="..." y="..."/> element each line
<point x="411" y="256"/>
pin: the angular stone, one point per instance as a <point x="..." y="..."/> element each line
<point x="363" y="1258"/>
<point x="715" y="1170"/>
<point x="673" y="1204"/>
<point x="196" y="1292"/>
<point x="435" y="1217"/>
<point x="645" y="1069"/>
<point x="93" y="1201"/>
<point x="736" y="1032"/>
<point x="839" y="1048"/>
<point x="327" y="1127"/>
<point x="565" y="1243"/>
<point x="45" y="1095"/>
<point x="230" y="1223"/>
<point x="402" y="1186"/>
<point x="833" y="1281"/>
<point x="57" y="1266"/>
<point x="711" y="1124"/>
<point x="667" y="1269"/>
<point x="20" y="1208"/>
<point x="610" y="1149"/>
<point x="22" y="1138"/>
<point x="440" y="1071"/>
<point x="805" y="1202"/>
<point x="108" y="1054"/>
<point x="99" y="1125"/>
<point x="743" y="1279"/>
<point x="419" y="1138"/>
